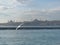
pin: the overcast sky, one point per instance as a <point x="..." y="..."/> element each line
<point x="26" y="10"/>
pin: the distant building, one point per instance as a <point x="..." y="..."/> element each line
<point x="36" y="20"/>
<point x="10" y="21"/>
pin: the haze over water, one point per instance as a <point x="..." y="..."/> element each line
<point x="30" y="37"/>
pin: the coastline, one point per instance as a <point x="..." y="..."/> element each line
<point x="29" y="27"/>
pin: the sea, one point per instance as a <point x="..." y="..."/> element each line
<point x="30" y="37"/>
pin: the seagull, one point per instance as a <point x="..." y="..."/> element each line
<point x="19" y="26"/>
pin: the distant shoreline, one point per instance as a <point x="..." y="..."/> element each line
<point x="33" y="23"/>
<point x="43" y="27"/>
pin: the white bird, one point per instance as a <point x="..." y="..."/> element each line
<point x="19" y="26"/>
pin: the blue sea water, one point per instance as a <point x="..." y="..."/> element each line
<point x="30" y="37"/>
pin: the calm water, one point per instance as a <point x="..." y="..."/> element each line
<point x="30" y="37"/>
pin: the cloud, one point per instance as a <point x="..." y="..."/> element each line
<point x="8" y="3"/>
<point x="3" y="8"/>
<point x="9" y="10"/>
<point x="24" y="2"/>
<point x="51" y="14"/>
<point x="27" y="15"/>
<point x="14" y="3"/>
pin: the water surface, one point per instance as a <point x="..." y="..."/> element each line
<point x="30" y="37"/>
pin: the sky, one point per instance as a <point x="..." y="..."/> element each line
<point x="27" y="10"/>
